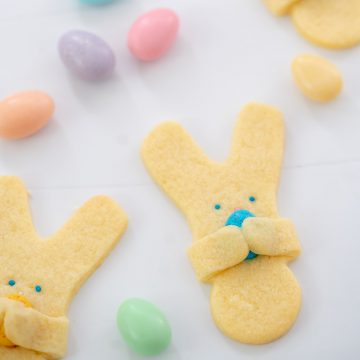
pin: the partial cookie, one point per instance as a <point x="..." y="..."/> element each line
<point x="241" y="245"/>
<point x="280" y="7"/>
<point x="333" y="24"/>
<point x="39" y="277"/>
<point x="328" y="23"/>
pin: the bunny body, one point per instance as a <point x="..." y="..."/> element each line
<point x="253" y="301"/>
<point x="46" y="273"/>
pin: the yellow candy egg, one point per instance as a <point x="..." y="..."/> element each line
<point x="317" y="78"/>
<point x="24" y="113"/>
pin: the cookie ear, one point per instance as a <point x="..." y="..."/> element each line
<point x="174" y="160"/>
<point x="78" y="248"/>
<point x="257" y="148"/>
<point x="15" y="217"/>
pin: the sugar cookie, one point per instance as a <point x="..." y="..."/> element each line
<point x="280" y="7"/>
<point x="39" y="277"/>
<point x="317" y="77"/>
<point x="328" y="23"/>
<point x="256" y="300"/>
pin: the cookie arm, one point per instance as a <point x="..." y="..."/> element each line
<point x="35" y="331"/>
<point x="217" y="252"/>
<point x="272" y="237"/>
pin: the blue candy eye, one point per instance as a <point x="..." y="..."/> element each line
<point x="217" y="206"/>
<point x="12" y="282"/>
<point x="38" y="288"/>
<point x="252" y="199"/>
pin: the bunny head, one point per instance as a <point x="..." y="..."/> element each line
<point x="209" y="192"/>
<point x="328" y="23"/>
<point x="39" y="277"/>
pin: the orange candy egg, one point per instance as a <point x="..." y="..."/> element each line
<point x="25" y="113"/>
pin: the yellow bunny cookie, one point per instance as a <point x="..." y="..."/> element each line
<point x="328" y="23"/>
<point x="241" y="245"/>
<point x="39" y="277"/>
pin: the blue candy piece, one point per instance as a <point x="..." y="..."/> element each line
<point x="237" y="218"/>
<point x="97" y="2"/>
<point x="251" y="255"/>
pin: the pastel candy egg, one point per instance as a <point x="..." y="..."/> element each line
<point x="97" y="2"/>
<point x="143" y="326"/>
<point x="317" y="78"/>
<point x="24" y="113"/>
<point x="86" y="55"/>
<point x="152" y="34"/>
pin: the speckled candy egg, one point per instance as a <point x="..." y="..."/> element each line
<point x="25" y="113"/>
<point x="152" y="34"/>
<point x="143" y="326"/>
<point x="86" y="55"/>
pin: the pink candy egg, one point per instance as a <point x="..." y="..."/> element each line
<point x="152" y="34"/>
<point x="24" y="113"/>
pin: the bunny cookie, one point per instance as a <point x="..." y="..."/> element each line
<point x="328" y="23"/>
<point x="39" y="277"/>
<point x="241" y="245"/>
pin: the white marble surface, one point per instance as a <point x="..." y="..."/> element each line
<point x="227" y="54"/>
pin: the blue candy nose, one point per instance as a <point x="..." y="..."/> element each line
<point x="237" y="218"/>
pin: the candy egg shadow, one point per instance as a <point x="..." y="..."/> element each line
<point x="162" y="74"/>
<point x="15" y="154"/>
<point x="98" y="4"/>
<point x="94" y="94"/>
<point x="170" y="353"/>
<point x="115" y="37"/>
<point x="89" y="14"/>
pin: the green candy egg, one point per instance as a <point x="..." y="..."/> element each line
<point x="143" y="327"/>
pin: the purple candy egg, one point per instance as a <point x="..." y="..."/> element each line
<point x="86" y="55"/>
